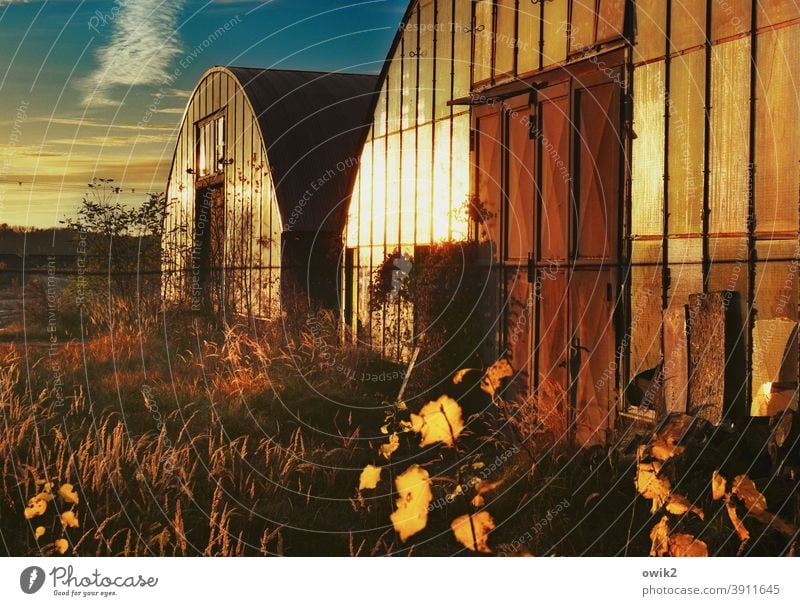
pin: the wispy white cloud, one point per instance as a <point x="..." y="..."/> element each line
<point x="140" y="46"/>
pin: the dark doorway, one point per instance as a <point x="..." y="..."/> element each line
<point x="208" y="275"/>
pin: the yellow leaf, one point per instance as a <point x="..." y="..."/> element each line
<point x="745" y="489"/>
<point x="438" y="421"/>
<point x="659" y="536"/>
<point x="650" y="485"/>
<point x="718" y="483"/>
<point x="386" y="450"/>
<point x="663" y="449"/>
<point x="414" y="490"/>
<point x="473" y="531"/>
<point x="69" y="519"/>
<point x="68" y="494"/>
<point x="61" y="545"/>
<point x="36" y="507"/>
<point x="678" y="505"/>
<point x="370" y="477"/>
<point x="459" y="376"/>
<point x="686" y="546"/>
<point x="738" y="525"/>
<point x="38" y="532"/>
<point x="494" y="376"/>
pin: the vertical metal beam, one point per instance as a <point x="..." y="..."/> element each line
<point x="706" y="152"/>
<point x="751" y="204"/>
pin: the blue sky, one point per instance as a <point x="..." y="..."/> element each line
<point x="77" y="78"/>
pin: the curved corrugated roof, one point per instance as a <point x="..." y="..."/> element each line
<point x="313" y="125"/>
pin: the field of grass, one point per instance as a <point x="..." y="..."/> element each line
<point x="174" y="437"/>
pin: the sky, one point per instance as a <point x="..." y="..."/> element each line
<point x="84" y="91"/>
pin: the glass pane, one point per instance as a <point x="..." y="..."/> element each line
<point x="688" y="24"/>
<point x="462" y="28"/>
<point x="378" y="190"/>
<point x="352" y="215"/>
<point x="686" y="124"/>
<point x="610" y="20"/>
<point x="520" y="186"/>
<point x="461" y="175"/>
<point x="444" y="53"/>
<point x="393" y="191"/>
<point x="365" y="208"/>
<point x="729" y="17"/>
<point x="441" y="176"/>
<point x="645" y="347"/>
<point x="410" y="74"/>
<point x="505" y="38"/>
<point x="395" y="91"/>
<point x="647" y="162"/>
<point x="581" y="30"/>
<point x="426" y="59"/>
<point x="777" y="179"/>
<point x="685" y="279"/>
<point x="408" y="188"/>
<point x="651" y="28"/>
<point x="555" y="178"/>
<point x="556" y="25"/>
<point x="529" y="26"/>
<point x="771" y="12"/>
<point x="730" y="131"/>
<point x="424" y="183"/>
<point x="482" y="36"/>
<point x="380" y="113"/>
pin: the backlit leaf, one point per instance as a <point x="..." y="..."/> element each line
<point x="494" y="376"/>
<point x="745" y="489"/>
<point x="659" y="536"/>
<point x="61" y="545"/>
<point x="370" y="477"/>
<point x="438" y="421"/>
<point x="472" y="531"/>
<point x="678" y="505"/>
<point x="686" y="546"/>
<point x="664" y="449"/>
<point x="39" y="532"/>
<point x="738" y="525"/>
<point x="414" y="490"/>
<point x="36" y="507"/>
<point x="386" y="450"/>
<point x="718" y="483"/>
<point x="650" y="485"/>
<point x="459" y="376"/>
<point x="68" y="494"/>
<point x="69" y="519"/>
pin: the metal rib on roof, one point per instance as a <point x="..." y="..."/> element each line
<point x="313" y="125"/>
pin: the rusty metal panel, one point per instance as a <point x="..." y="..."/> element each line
<point x="647" y="153"/>
<point x="520" y="186"/>
<point x="610" y="20"/>
<point x="676" y="359"/>
<point x="777" y="139"/>
<point x="529" y="33"/>
<point x="645" y="321"/>
<point x="518" y="325"/>
<point x="551" y="288"/>
<point x="730" y="134"/>
<point x="651" y="27"/>
<point x="688" y="28"/>
<point x="686" y="135"/>
<point x="556" y="25"/>
<point x="505" y="38"/>
<point x="599" y="148"/>
<point x="489" y="190"/>
<point x="591" y="353"/>
<point x="482" y="41"/>
<point x="554" y="152"/>
<point x="772" y="12"/>
<point x="581" y="31"/>
<point x="729" y="18"/>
